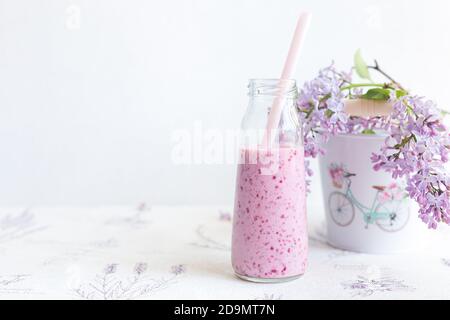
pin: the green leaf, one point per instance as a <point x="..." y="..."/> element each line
<point x="400" y="93"/>
<point x="361" y="66"/>
<point x="444" y="113"/>
<point x="377" y="94"/>
<point x="329" y="113"/>
<point x="368" y="131"/>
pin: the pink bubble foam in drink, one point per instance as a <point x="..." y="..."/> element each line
<point x="270" y="239"/>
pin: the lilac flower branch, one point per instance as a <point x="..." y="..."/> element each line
<point x="418" y="144"/>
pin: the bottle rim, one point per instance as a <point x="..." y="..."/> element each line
<point x="273" y="87"/>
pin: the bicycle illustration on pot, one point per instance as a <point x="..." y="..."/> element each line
<point x="389" y="210"/>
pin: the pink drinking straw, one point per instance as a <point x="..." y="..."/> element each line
<point x="289" y="66"/>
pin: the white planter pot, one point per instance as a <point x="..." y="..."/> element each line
<point x="366" y="210"/>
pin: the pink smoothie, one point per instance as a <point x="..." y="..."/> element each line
<point x="270" y="237"/>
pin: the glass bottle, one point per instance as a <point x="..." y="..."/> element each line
<point x="270" y="240"/>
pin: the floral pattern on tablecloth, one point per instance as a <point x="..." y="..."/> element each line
<point x="152" y="252"/>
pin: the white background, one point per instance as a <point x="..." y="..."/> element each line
<point x="91" y="91"/>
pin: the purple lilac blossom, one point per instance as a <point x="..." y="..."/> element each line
<point x="417" y="149"/>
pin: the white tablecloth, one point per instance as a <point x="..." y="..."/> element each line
<point x="184" y="253"/>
